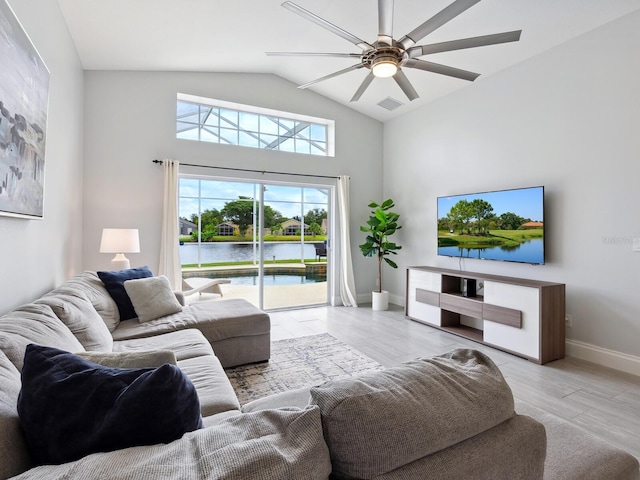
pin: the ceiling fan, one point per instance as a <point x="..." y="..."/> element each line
<point x="386" y="57"/>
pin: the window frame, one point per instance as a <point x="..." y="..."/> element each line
<point x="288" y="132"/>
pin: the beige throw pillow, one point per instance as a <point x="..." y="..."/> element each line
<point x="152" y="297"/>
<point x="135" y="359"/>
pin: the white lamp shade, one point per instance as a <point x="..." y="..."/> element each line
<point x="120" y="240"/>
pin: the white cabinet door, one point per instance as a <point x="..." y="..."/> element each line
<point x="428" y="282"/>
<point x="525" y="340"/>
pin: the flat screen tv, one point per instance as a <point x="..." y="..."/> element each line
<point x="503" y="225"/>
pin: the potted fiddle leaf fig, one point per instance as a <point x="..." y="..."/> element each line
<point x="381" y="225"/>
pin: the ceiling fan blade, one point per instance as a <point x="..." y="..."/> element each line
<point x="331" y="75"/>
<point x="327" y="25"/>
<point x="441" y="69"/>
<point x="404" y="83"/>
<point x="363" y="86"/>
<point x="385" y="22"/>
<point x="463" y="43"/>
<point x="435" y="22"/>
<point x="313" y="54"/>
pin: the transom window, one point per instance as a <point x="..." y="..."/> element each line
<point x="209" y="120"/>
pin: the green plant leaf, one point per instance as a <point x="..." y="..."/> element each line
<point x="391" y="263"/>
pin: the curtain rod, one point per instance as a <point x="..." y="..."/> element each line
<point x="252" y="171"/>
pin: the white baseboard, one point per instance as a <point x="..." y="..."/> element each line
<point x="393" y="299"/>
<point x="363" y="298"/>
<point x="602" y="356"/>
<point x="360" y="298"/>
<point x="366" y="298"/>
<point x="396" y="299"/>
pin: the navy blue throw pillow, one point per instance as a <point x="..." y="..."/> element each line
<point x="70" y="407"/>
<point x="114" y="282"/>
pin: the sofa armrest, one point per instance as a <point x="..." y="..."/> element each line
<point x="144" y="359"/>
<point x="180" y="297"/>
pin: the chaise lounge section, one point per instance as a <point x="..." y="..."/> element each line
<point x="238" y="331"/>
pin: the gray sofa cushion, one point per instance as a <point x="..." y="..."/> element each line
<point x="78" y="314"/>
<point x="184" y="344"/>
<point x="94" y="290"/>
<point x="216" y="320"/>
<point x="34" y="323"/>
<point x="214" y="389"/>
<point x="196" y="359"/>
<point x="514" y="450"/>
<point x="380" y="421"/>
<point x="574" y="454"/>
<point x="270" y="445"/>
<point x="14" y="458"/>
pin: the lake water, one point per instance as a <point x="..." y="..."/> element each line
<point x="285" y="279"/>
<point x="528" y="252"/>
<point x="240" y="252"/>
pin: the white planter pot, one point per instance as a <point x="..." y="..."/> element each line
<point x="380" y="300"/>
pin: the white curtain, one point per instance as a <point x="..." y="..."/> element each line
<point x="169" y="263"/>
<point x="347" y="281"/>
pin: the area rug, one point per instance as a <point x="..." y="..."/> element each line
<point x="298" y="362"/>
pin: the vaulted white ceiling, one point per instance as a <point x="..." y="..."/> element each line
<point x="233" y="36"/>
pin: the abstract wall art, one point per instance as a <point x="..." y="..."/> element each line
<point x="24" y="98"/>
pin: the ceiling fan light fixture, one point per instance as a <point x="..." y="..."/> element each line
<point x="384" y="67"/>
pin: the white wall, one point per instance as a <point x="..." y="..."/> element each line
<point x="37" y="255"/>
<point x="130" y="120"/>
<point x="568" y="119"/>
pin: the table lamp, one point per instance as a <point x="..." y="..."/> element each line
<point x="120" y="241"/>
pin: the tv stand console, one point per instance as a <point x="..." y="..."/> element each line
<point x="519" y="316"/>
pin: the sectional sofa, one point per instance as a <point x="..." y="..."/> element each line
<point x="69" y="354"/>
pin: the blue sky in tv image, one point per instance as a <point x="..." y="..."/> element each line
<point x="526" y="202"/>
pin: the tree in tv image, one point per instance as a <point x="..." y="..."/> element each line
<point x="501" y="225"/>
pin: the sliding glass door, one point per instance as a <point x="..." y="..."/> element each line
<point x="295" y="260"/>
<point x="269" y="241"/>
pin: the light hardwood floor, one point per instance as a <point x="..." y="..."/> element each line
<point x="603" y="401"/>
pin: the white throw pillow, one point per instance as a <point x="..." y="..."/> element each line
<point x="152" y="297"/>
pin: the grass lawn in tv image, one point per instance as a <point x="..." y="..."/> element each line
<point x="502" y="225"/>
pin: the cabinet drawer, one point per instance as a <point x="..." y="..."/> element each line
<point x="428" y="297"/>
<point x="462" y="305"/>
<point x="504" y="315"/>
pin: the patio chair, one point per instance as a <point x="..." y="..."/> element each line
<point x="321" y="250"/>
<point x="191" y="286"/>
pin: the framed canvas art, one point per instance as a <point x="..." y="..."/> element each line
<point x="24" y="98"/>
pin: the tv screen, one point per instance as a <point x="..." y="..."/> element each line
<point x="502" y="225"/>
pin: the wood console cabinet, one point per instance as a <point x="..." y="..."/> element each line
<point x="519" y="316"/>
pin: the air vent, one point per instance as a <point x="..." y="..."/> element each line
<point x="390" y="103"/>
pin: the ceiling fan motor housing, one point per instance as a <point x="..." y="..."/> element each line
<point x="384" y="55"/>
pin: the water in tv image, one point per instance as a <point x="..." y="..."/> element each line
<point x="501" y="225"/>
